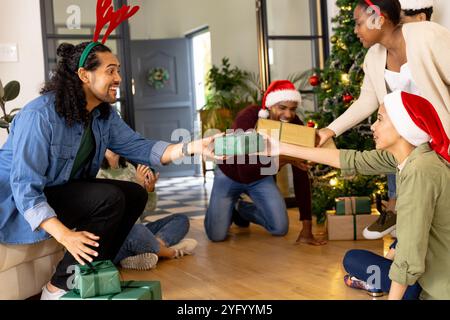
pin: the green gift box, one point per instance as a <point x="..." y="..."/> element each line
<point x="97" y="279"/>
<point x="239" y="144"/>
<point x="353" y="205"/>
<point x="131" y="290"/>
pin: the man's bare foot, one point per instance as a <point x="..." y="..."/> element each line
<point x="308" y="238"/>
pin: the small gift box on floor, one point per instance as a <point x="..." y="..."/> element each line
<point x="239" y="144"/>
<point x="97" y="279"/>
<point x="349" y="227"/>
<point x="353" y="205"/>
<point x="131" y="290"/>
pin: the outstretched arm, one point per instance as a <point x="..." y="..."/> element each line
<point x="349" y="161"/>
<point x="329" y="157"/>
<point x="204" y="147"/>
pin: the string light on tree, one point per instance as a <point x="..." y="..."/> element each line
<point x="326" y="86"/>
<point x="334" y="182"/>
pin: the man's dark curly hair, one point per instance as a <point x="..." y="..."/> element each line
<point x="70" y="99"/>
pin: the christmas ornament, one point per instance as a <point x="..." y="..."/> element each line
<point x="345" y="79"/>
<point x="347" y="98"/>
<point x="326" y="86"/>
<point x="311" y="124"/>
<point x="314" y="80"/>
<point x="334" y="39"/>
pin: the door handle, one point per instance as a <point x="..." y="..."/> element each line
<point x="133" y="87"/>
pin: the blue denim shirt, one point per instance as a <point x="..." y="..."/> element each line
<point x="40" y="152"/>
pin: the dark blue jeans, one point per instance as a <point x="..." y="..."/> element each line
<point x="268" y="210"/>
<point x="361" y="264"/>
<point x="142" y="238"/>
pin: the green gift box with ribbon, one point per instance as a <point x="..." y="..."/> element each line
<point x="131" y="290"/>
<point x="353" y="205"/>
<point x="239" y="144"/>
<point x="97" y="279"/>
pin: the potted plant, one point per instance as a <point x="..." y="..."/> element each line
<point x="228" y="93"/>
<point x="8" y="93"/>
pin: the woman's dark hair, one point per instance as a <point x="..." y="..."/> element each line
<point x="122" y="163"/>
<point x="428" y="12"/>
<point x="391" y="8"/>
<point x="70" y="99"/>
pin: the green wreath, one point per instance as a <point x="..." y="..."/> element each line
<point x="158" y="77"/>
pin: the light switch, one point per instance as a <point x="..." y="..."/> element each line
<point x="8" y="52"/>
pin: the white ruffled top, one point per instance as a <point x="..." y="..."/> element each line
<point x="402" y="80"/>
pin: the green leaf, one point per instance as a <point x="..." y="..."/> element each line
<point x="12" y="90"/>
<point x="2" y="90"/>
<point x="4" y="124"/>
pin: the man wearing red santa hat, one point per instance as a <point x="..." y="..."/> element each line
<point x="268" y="207"/>
<point x="411" y="142"/>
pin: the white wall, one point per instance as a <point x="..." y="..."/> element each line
<point x="232" y="24"/>
<point x="20" y="23"/>
<point x="441" y="12"/>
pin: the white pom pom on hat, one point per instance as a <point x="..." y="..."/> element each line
<point x="416" y="4"/>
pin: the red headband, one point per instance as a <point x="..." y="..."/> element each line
<point x="374" y="7"/>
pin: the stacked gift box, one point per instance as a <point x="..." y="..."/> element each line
<point x="351" y="217"/>
<point x="101" y="281"/>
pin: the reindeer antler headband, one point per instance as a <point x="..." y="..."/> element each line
<point x="105" y="15"/>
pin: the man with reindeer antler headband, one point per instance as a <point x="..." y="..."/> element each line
<point x="57" y="143"/>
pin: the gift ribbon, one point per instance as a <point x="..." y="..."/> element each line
<point x="127" y="285"/>
<point x="94" y="268"/>
<point x="349" y="204"/>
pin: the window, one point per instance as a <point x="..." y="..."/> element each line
<point x="73" y="21"/>
<point x="293" y="38"/>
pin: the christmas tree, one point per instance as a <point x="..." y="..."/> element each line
<point x="336" y="87"/>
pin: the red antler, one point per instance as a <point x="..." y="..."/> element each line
<point x="118" y="17"/>
<point x="106" y="14"/>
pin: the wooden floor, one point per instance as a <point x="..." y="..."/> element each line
<point x="253" y="265"/>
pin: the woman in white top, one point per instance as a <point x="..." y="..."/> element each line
<point x="411" y="57"/>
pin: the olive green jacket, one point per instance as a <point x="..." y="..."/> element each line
<point x="423" y="215"/>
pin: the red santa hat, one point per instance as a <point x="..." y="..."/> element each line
<point x="416" y="4"/>
<point x="280" y="90"/>
<point x="417" y="121"/>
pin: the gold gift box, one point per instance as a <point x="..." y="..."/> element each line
<point x="291" y="133"/>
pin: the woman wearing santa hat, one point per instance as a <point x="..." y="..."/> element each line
<point x="416" y="10"/>
<point x="411" y="57"/>
<point x="412" y="143"/>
